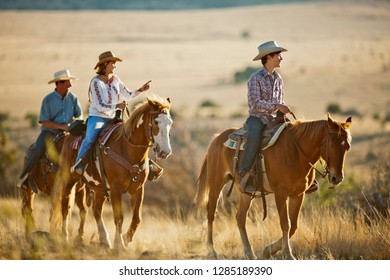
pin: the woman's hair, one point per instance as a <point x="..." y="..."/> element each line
<point x="101" y="70"/>
<point x="265" y="58"/>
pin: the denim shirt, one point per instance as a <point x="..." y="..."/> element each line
<point x="59" y="110"/>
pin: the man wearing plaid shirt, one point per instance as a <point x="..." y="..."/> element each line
<point x="265" y="98"/>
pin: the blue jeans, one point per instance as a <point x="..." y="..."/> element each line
<point x="94" y="126"/>
<point x="37" y="151"/>
<point x="255" y="127"/>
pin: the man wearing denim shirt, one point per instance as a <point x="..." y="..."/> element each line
<point x="58" y="110"/>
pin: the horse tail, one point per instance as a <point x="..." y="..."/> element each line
<point x="201" y="198"/>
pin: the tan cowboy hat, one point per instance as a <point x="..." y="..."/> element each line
<point x="62" y="75"/>
<point x="267" y="48"/>
<point x="106" y="56"/>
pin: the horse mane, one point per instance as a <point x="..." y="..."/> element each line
<point x="140" y="109"/>
<point x="301" y="128"/>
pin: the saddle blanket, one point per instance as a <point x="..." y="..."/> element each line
<point x="103" y="137"/>
<point x="268" y="139"/>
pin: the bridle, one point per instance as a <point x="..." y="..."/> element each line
<point x="325" y="166"/>
<point x="149" y="133"/>
<point x="134" y="169"/>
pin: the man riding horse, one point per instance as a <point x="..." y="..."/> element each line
<point x="265" y="98"/>
<point x="59" y="109"/>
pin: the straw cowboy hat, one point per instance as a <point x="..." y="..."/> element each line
<point x="62" y="75"/>
<point x="106" y="56"/>
<point x="267" y="48"/>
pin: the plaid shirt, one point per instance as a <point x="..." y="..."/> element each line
<point x="264" y="91"/>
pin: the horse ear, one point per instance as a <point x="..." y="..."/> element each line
<point x="330" y="119"/>
<point x="347" y="123"/>
<point x="169" y="100"/>
<point x="151" y="102"/>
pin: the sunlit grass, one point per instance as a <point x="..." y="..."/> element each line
<point x="324" y="233"/>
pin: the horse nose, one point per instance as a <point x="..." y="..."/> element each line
<point x="164" y="154"/>
<point x="335" y="180"/>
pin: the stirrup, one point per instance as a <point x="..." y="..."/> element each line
<point x="313" y="187"/>
<point x="21" y="183"/>
<point x="155" y="171"/>
<point x="78" y="171"/>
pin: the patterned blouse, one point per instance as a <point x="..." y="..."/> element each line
<point x="105" y="96"/>
<point x="264" y="91"/>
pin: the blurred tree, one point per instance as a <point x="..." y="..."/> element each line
<point x="32" y="118"/>
<point x="243" y="75"/>
<point x="334" y="108"/>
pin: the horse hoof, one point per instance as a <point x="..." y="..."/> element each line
<point x="105" y="245"/>
<point x="212" y="255"/>
<point x="267" y="252"/>
<point x="78" y="240"/>
<point x="251" y="256"/>
<point x="288" y="257"/>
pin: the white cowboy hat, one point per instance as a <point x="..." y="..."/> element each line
<point x="62" y="75"/>
<point x="107" y="56"/>
<point x="267" y="48"/>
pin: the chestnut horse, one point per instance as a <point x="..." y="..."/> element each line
<point x="42" y="177"/>
<point x="124" y="161"/>
<point x="289" y="164"/>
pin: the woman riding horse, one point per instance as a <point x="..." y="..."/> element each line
<point x="123" y="165"/>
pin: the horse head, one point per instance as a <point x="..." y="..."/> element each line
<point x="160" y="127"/>
<point x="335" y="148"/>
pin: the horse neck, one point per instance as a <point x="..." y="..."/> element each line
<point x="135" y="141"/>
<point x="310" y="137"/>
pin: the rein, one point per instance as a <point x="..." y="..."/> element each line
<point x="134" y="169"/>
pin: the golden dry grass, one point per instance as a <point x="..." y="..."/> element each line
<point x="324" y="234"/>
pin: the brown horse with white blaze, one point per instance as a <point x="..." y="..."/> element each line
<point x="125" y="163"/>
<point x="289" y="164"/>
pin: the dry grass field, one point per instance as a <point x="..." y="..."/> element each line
<point x="339" y="52"/>
<point x="324" y="234"/>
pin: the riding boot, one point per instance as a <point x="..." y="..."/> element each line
<point x="244" y="180"/>
<point x="314" y="186"/>
<point x="246" y="185"/>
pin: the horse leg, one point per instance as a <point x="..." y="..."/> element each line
<point x="244" y="203"/>
<point x="97" y="207"/>
<point x="294" y="209"/>
<point x="216" y="185"/>
<point x="65" y="205"/>
<point x="81" y="204"/>
<point x="116" y="200"/>
<point x="136" y="208"/>
<point x="272" y="249"/>
<point x="282" y="206"/>
<point x="27" y="208"/>
<point x="295" y="205"/>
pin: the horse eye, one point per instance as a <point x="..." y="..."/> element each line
<point x="155" y="122"/>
